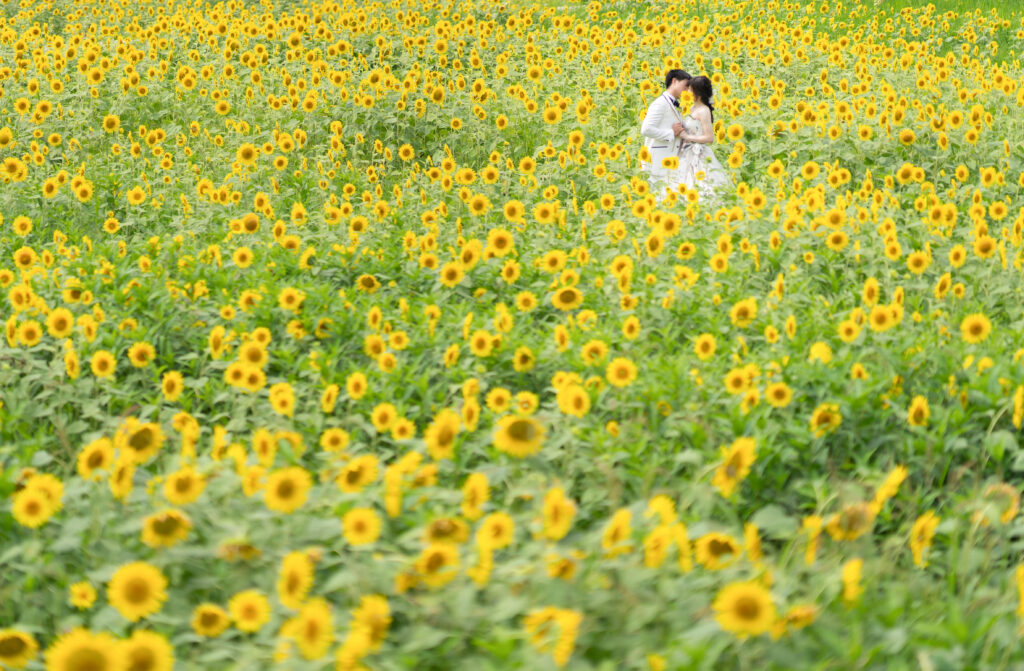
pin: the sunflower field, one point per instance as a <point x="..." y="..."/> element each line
<point x="348" y="335"/>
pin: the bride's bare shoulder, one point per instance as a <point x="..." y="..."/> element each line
<point x="702" y="113"/>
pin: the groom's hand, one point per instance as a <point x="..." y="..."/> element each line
<point x="677" y="128"/>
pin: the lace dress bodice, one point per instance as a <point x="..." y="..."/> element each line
<point x="691" y="125"/>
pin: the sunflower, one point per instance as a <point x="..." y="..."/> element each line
<point x="166" y="528"/>
<point x="825" y="419"/>
<point x="715" y="550"/>
<point x="253" y="353"/>
<point x="744" y="312"/>
<point x="440" y="435"/>
<point x="372" y="618"/>
<point x="172" y="384"/>
<point x="367" y="283"/>
<point x="282" y="398"/>
<point x="446" y="530"/>
<point x="553" y="630"/>
<point x="481" y="343"/>
<point x="573" y="400"/>
<point x="500" y="241"/>
<point x="567" y="298"/>
<point x="851" y="575"/>
<point x="475" y="492"/>
<point x="32" y="508"/>
<point x="72" y="364"/>
<point x="121" y="478"/>
<point x="403" y="429"/>
<point x="359" y="472"/>
<point x="148" y="651"/>
<point x="496" y="531"/>
<point x="479" y="204"/>
<point x="334" y="439"/>
<point x="291" y="299"/>
<point x="848" y="330"/>
<point x="621" y="372"/>
<point x="383" y="416"/>
<point x="361" y="526"/>
<point x="287" y="489"/>
<point x="102" y="363"/>
<point x="921" y="535"/>
<point x="558" y="512"/>
<point x="451" y="274"/>
<point x="250" y="610"/>
<point x="617" y="533"/>
<point x="294" y="579"/>
<point x="184" y="486"/>
<point x="82" y="595"/>
<point x="138" y="441"/>
<point x="137" y="590"/>
<point x="81" y="650"/>
<point x="704" y="346"/>
<point x="736" y="462"/>
<point x="312" y="629"/>
<point x="17" y="648"/>
<point x="918" y="412"/>
<point x="437" y="564"/>
<point x="247" y="154"/>
<point x="141" y="354"/>
<point x="852" y="522"/>
<point x="975" y="328"/>
<point x="744" y="609"/>
<point x="519" y="436"/>
<point x="837" y="240"/>
<point x="210" y="620"/>
<point x="59" y="322"/>
<point x="778" y="394"/>
<point x="136" y="195"/>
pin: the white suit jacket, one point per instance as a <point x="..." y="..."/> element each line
<point x="657" y="129"/>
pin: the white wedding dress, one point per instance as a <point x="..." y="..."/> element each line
<point x="698" y="166"/>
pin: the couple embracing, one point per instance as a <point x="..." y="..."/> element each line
<point x="680" y="143"/>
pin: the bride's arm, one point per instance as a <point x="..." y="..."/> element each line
<point x="707" y="135"/>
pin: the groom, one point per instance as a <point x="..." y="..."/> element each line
<point x="663" y="125"/>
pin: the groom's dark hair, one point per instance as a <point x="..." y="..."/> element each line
<point x="675" y="74"/>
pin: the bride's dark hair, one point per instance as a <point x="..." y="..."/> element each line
<point x="701" y="88"/>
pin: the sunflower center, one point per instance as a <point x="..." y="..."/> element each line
<point x="286" y="489"/>
<point x="142" y="659"/>
<point x="522" y="430"/>
<point x="435" y="562"/>
<point x="86" y="659"/>
<point x="12" y="646"/>
<point x="719" y="548"/>
<point x="136" y="591"/>
<point x="854" y="519"/>
<point x="141" y="439"/>
<point x="166" y="525"/>
<point x="747" y="608"/>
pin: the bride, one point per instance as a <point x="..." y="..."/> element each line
<point x="698" y="167"/>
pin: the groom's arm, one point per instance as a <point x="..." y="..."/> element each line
<point x="650" y="129"/>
